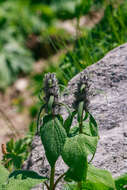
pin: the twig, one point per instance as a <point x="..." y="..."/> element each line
<point x="58" y="181"/>
<point x="46" y="185"/>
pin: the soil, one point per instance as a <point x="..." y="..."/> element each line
<point x="14" y="115"/>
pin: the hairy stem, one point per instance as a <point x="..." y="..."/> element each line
<point x="52" y="174"/>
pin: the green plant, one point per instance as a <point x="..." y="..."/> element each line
<point x="16" y="152"/>
<point x="94" y="43"/>
<point x="74" y="145"/>
<point x="22" y="180"/>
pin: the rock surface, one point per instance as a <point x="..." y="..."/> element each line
<point x="107" y="94"/>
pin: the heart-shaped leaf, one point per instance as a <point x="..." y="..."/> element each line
<point x="53" y="136"/>
<point x="23" y="174"/>
<point x="98" y="179"/>
<point x="75" y="156"/>
<point x="19" y="180"/>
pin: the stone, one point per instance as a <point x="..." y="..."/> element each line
<point x="107" y="95"/>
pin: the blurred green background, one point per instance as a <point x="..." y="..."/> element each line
<point x="31" y="30"/>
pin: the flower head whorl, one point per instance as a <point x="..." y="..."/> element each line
<point x="81" y="93"/>
<point x="51" y="88"/>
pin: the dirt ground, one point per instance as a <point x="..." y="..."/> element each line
<point x="13" y="121"/>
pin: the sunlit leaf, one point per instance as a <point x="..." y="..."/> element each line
<point x="53" y="136"/>
<point x="75" y="156"/>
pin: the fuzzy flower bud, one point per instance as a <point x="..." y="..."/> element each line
<point x="51" y="88"/>
<point x="81" y="92"/>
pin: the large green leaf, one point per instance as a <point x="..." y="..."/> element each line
<point x="24" y="174"/>
<point x="22" y="180"/>
<point x="3" y="175"/>
<point x="75" y="156"/>
<point x="89" y="143"/>
<point x="121" y="182"/>
<point x="98" y="179"/>
<point x="53" y="137"/>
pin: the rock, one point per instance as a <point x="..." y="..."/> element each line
<point x="107" y="81"/>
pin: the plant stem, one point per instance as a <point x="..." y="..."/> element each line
<point x="52" y="177"/>
<point x="80" y="128"/>
<point x="46" y="185"/>
<point x="57" y="181"/>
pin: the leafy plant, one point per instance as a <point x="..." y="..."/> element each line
<point x="94" y="43"/>
<point x="59" y="139"/>
<point x="16" y="152"/>
<point x="23" y="180"/>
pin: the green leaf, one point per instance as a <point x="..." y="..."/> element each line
<point x="23" y="174"/>
<point x="3" y="175"/>
<point x="121" y="182"/>
<point x="86" y="128"/>
<point x="74" y="131"/>
<point x="17" y="161"/>
<point x="80" y="111"/>
<point x="68" y="122"/>
<point x="90" y="141"/>
<point x="82" y="88"/>
<point x="20" y="146"/>
<point x="50" y="103"/>
<point x="53" y="137"/>
<point x="10" y="145"/>
<point x="93" y="126"/>
<point x="98" y="179"/>
<point x="86" y="116"/>
<point x="70" y="186"/>
<point x="23" y="180"/>
<point x="75" y="156"/>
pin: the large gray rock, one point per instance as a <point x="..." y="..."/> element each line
<point x="107" y="95"/>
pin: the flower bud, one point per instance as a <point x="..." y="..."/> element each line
<point x="81" y="92"/>
<point x="51" y="88"/>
